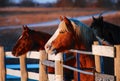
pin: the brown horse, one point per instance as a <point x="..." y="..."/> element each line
<point x="32" y="40"/>
<point x="72" y="34"/>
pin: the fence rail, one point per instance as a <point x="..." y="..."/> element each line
<point x="97" y="50"/>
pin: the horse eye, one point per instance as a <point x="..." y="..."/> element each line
<point x="25" y="38"/>
<point x="61" y="32"/>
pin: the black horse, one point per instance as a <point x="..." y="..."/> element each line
<point x="108" y="32"/>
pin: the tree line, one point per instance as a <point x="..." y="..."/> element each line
<point x="65" y="3"/>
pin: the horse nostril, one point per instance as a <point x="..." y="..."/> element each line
<point x="48" y="47"/>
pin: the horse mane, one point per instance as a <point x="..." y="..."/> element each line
<point x="80" y="29"/>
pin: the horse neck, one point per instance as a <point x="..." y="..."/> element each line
<point x="39" y="40"/>
<point x="79" y="43"/>
<point x="86" y="38"/>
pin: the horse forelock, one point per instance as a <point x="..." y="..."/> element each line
<point x="63" y="27"/>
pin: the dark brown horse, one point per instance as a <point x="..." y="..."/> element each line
<point x="105" y="30"/>
<point x="32" y="40"/>
<point x="108" y="32"/>
<point x="72" y="34"/>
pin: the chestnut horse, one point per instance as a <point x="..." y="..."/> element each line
<point x="108" y="32"/>
<point x="31" y="40"/>
<point x="72" y="34"/>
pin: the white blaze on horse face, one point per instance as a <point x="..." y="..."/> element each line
<point x="48" y="45"/>
<point x="20" y="37"/>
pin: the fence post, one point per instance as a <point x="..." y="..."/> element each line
<point x="42" y="68"/>
<point x="23" y="68"/>
<point x="2" y="65"/>
<point x="97" y="61"/>
<point x="117" y="63"/>
<point x="59" y="67"/>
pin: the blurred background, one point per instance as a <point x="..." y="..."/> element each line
<point x="61" y="3"/>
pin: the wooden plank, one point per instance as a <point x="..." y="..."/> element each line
<point x="9" y="54"/>
<point x="13" y="72"/>
<point x="31" y="75"/>
<point x="2" y="64"/>
<point x="23" y="68"/>
<point x="33" y="55"/>
<point x="100" y="50"/>
<point x="48" y="63"/>
<point x="117" y="63"/>
<point x="104" y="77"/>
<point x="97" y="61"/>
<point x="51" y="57"/>
<point x="59" y="67"/>
<point x="30" y="54"/>
<point x="42" y="70"/>
<point x="51" y="77"/>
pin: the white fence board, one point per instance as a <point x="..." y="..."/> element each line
<point x="30" y="54"/>
<point x="13" y="72"/>
<point x="104" y="77"/>
<point x="31" y="75"/>
<point x="100" y="50"/>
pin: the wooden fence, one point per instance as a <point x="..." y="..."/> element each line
<point x="97" y="50"/>
<point x="41" y="76"/>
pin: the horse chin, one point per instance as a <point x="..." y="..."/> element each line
<point x="15" y="54"/>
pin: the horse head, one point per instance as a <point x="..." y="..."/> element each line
<point x="97" y="25"/>
<point x="24" y="43"/>
<point x="67" y="36"/>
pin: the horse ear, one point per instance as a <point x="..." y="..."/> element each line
<point x="68" y="24"/>
<point x="101" y="18"/>
<point x="93" y="18"/>
<point x="66" y="20"/>
<point x="25" y="28"/>
<point x="61" y="18"/>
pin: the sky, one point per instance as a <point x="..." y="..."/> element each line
<point x="44" y="1"/>
<point x="39" y="1"/>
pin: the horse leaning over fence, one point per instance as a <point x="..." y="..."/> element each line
<point x="32" y="40"/>
<point x="105" y="30"/>
<point x="72" y="34"/>
<point x="110" y="33"/>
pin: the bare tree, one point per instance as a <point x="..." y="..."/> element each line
<point x="64" y="3"/>
<point x="71" y="3"/>
<point x="27" y="3"/>
<point x="104" y="3"/>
